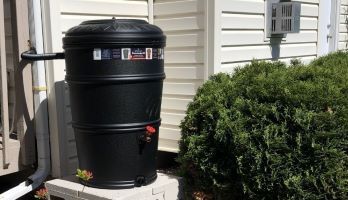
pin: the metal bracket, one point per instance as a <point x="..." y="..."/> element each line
<point x="33" y="56"/>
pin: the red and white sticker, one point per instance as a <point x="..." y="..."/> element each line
<point x="128" y="54"/>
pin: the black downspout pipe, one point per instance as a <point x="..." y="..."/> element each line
<point x="33" y="56"/>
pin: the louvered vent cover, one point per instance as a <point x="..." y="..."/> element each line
<point x="285" y="18"/>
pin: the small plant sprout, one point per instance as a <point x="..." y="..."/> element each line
<point x="41" y="194"/>
<point x="84" y="174"/>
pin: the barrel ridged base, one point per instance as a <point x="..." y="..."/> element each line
<point x="120" y="184"/>
<point x="117" y="157"/>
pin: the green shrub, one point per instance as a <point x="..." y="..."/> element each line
<point x="270" y="131"/>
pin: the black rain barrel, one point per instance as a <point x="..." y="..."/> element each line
<point x="114" y="69"/>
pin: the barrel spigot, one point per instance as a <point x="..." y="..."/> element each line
<point x="150" y="130"/>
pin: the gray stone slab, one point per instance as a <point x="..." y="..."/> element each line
<point x="68" y="186"/>
<point x="53" y="194"/>
<point x="166" y="187"/>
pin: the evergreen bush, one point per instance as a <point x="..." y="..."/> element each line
<point x="270" y="131"/>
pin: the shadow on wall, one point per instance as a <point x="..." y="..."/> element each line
<point x="275" y="47"/>
<point x="64" y="134"/>
<point x="22" y="113"/>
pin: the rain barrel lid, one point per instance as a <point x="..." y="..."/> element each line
<point x="115" y="32"/>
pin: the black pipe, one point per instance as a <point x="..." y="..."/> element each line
<point x="33" y="56"/>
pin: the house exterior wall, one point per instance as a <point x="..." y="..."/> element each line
<point x="183" y="23"/>
<point x="242" y="33"/>
<point x="343" y="27"/>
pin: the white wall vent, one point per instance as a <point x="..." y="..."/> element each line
<point x="282" y="18"/>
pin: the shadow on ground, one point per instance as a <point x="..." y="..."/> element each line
<point x="12" y="180"/>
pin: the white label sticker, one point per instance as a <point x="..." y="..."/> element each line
<point x="97" y="54"/>
<point x="126" y="53"/>
<point x="136" y="53"/>
<point x="148" y="53"/>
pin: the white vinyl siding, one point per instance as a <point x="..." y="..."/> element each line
<point x="243" y="36"/>
<point x="343" y="27"/>
<point x="72" y="13"/>
<point x="183" y="23"/>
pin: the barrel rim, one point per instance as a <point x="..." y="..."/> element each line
<point x="71" y="79"/>
<point x="114" y="128"/>
<point x="123" y="39"/>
